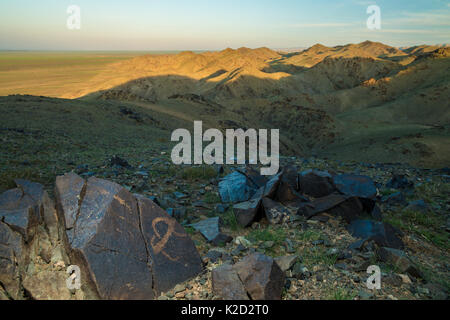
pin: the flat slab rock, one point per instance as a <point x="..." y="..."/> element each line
<point x="25" y="207"/>
<point x="355" y="186"/>
<point x="383" y="234"/>
<point x="126" y="246"/>
<point x="255" y="277"/>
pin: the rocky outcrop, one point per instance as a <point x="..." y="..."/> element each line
<point x="125" y="245"/>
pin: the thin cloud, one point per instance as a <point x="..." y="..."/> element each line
<point x="322" y="25"/>
<point x="431" y="19"/>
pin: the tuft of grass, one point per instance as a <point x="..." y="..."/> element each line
<point x="427" y="225"/>
<point x="229" y="219"/>
<point x="198" y="173"/>
<point x="432" y="192"/>
<point x="432" y="276"/>
<point x="341" y="294"/>
<point x="278" y="236"/>
<point x="318" y="256"/>
<point x="309" y="235"/>
<point x="189" y="230"/>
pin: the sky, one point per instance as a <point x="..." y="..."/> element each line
<point x="150" y="25"/>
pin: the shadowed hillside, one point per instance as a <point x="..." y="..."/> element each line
<point x="327" y="101"/>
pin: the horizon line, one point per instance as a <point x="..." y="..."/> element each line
<point x="214" y="50"/>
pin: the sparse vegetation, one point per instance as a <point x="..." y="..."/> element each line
<point x="230" y="221"/>
<point x="317" y="256"/>
<point x="277" y="235"/>
<point x="198" y="173"/>
<point x="211" y="197"/>
<point x="341" y="294"/>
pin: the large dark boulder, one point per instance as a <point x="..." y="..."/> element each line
<point x="126" y="246"/>
<point x="172" y="253"/>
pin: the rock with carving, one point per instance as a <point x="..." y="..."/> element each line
<point x="126" y="246"/>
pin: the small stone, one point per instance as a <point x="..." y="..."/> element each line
<point x="405" y="279"/>
<point x="179" y="288"/>
<point x="364" y="295"/>
<point x="286" y="262"/>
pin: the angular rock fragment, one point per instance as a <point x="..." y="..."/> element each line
<point x="400" y="182"/>
<point x="256" y="276"/>
<point x="262" y="277"/>
<point x="209" y="228"/>
<point x="376" y="213"/>
<point x="290" y="177"/>
<point x="275" y="212"/>
<point x="309" y="209"/>
<point x="418" y="206"/>
<point x="395" y="198"/>
<point x="288" y="186"/>
<point x="355" y="186"/>
<point x="226" y="283"/>
<point x="221" y="240"/>
<point x="11" y="259"/>
<point x="271" y="187"/>
<point x="383" y="234"/>
<point x="286" y="262"/>
<point x="126" y="246"/>
<point x="398" y="259"/>
<point x="256" y="180"/>
<point x="48" y="285"/>
<point x="316" y="184"/>
<point x="20" y="211"/>
<point x="247" y="212"/>
<point x="235" y="188"/>
<point x="351" y="209"/>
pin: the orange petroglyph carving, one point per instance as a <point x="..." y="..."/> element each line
<point x="122" y="202"/>
<point x="158" y="243"/>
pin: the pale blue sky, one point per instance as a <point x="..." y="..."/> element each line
<point x="217" y="24"/>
